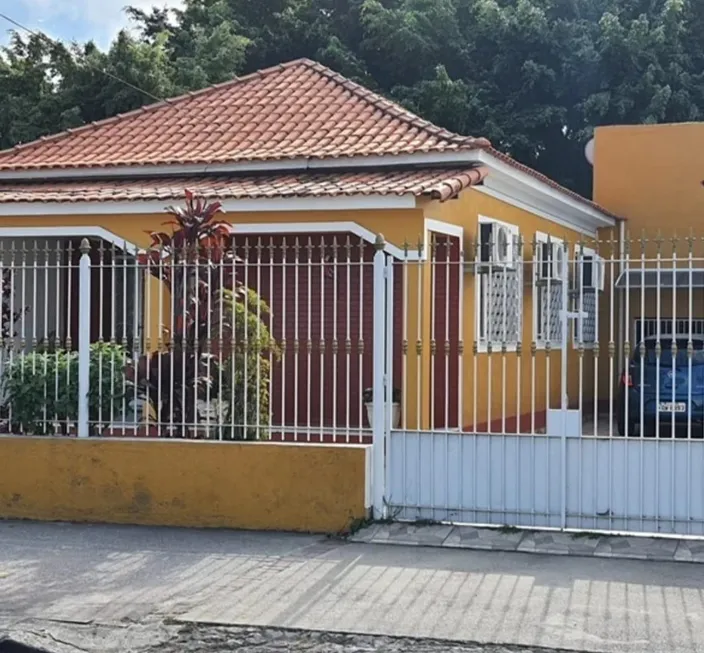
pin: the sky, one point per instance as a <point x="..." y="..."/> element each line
<point x="69" y="20"/>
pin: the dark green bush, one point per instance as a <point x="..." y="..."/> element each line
<point x="41" y="388"/>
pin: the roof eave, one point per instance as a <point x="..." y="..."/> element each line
<point x="533" y="192"/>
<point x="510" y="180"/>
<point x="254" y="205"/>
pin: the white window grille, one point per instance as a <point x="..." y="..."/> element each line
<point x="549" y="273"/>
<point x="648" y="327"/>
<point x="588" y="281"/>
<point x="499" y="296"/>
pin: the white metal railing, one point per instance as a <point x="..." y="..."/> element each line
<point x="498" y="384"/>
<point x="266" y="337"/>
<point x="526" y="399"/>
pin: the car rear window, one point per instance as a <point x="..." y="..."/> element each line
<point x="666" y="353"/>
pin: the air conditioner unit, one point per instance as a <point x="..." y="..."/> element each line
<point x="551" y="263"/>
<point x="497" y="246"/>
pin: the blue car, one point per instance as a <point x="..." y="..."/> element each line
<point x="679" y="392"/>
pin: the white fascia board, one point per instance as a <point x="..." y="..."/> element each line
<point x="278" y="204"/>
<point x="274" y="166"/>
<point x="551" y="217"/>
<point x="526" y="188"/>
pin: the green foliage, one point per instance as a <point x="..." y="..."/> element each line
<point x="223" y="346"/>
<point x="41" y="388"/>
<point x="246" y="372"/>
<point x="533" y="76"/>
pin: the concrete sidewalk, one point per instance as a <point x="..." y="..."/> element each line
<point x="116" y="575"/>
<point x="590" y="545"/>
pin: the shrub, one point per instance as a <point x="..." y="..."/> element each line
<point x="41" y="388"/>
<point x="246" y="372"/>
<point x="219" y="342"/>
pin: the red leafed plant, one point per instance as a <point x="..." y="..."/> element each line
<point x="218" y="337"/>
<point x="197" y="265"/>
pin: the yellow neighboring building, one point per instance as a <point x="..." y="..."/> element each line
<point x="298" y="152"/>
<point x="653" y="176"/>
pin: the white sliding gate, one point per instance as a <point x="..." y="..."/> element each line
<point x="524" y="400"/>
<point x="613" y="484"/>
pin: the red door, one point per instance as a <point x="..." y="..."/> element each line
<point x="446" y="320"/>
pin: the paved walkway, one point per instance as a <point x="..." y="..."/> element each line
<point x="524" y="541"/>
<point x="96" y="575"/>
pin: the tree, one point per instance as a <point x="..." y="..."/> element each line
<point x="46" y="87"/>
<point x="533" y="76"/>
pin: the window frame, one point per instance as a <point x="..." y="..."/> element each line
<point x="598" y="267"/>
<point x="482" y="291"/>
<point x="542" y="238"/>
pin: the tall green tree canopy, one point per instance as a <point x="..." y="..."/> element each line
<point x="533" y="76"/>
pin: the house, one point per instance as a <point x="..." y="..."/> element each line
<point x="311" y="168"/>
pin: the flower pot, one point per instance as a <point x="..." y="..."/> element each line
<point x="395" y="414"/>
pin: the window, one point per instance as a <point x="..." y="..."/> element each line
<point x="549" y="274"/>
<point x="499" y="296"/>
<point x="588" y="280"/>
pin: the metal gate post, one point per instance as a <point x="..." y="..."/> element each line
<point x="380" y="394"/>
<point x="84" y="297"/>
<point x="564" y="399"/>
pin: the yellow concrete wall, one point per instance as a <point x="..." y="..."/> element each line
<point x="312" y="488"/>
<point x="465" y="212"/>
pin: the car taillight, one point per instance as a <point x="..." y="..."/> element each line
<point x="627" y="380"/>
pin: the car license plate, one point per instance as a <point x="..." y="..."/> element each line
<point x="673" y="407"/>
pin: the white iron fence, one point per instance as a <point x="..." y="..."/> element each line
<point x="544" y="383"/>
<point x="269" y="338"/>
<point x="551" y="384"/>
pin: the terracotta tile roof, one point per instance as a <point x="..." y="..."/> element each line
<point x="440" y="184"/>
<point x="298" y="109"/>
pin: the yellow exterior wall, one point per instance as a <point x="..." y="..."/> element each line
<point x="395" y="224"/>
<point x="398" y="227"/>
<point x="490" y="378"/>
<point x="652" y="176"/>
<point x="312" y="488"/>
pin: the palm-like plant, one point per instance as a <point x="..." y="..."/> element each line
<point x="218" y="323"/>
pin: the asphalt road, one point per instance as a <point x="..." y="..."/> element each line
<point x="147" y="577"/>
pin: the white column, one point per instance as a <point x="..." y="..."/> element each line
<point x="84" y="338"/>
<point x="380" y="394"/>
